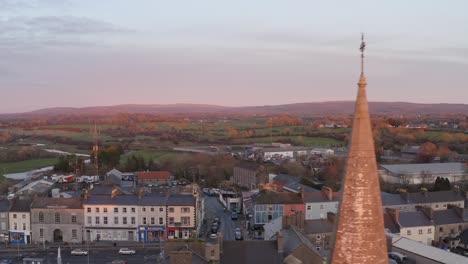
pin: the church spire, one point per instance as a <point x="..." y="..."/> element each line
<point x="360" y="233"/>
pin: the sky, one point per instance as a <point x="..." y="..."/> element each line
<point x="77" y="53"/>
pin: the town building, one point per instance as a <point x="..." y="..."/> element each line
<point x="4" y="227"/>
<point x="152" y="218"/>
<point x="111" y="217"/>
<point x="413" y="225"/>
<point x="250" y="175"/>
<point x="57" y="220"/>
<point x="19" y="220"/>
<point x="449" y="224"/>
<point x="319" y="204"/>
<point x="181" y="216"/>
<point x="320" y="232"/>
<point x="424" y="173"/>
<point x="153" y="178"/>
<point x="406" y="202"/>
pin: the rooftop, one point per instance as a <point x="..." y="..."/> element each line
<point x="108" y="200"/>
<point x="69" y="203"/>
<point x="320" y="197"/>
<point x="180" y="200"/>
<point x="250" y="252"/>
<point x="414" y="219"/>
<point x="4" y="205"/>
<point x="434" y="168"/>
<point x="267" y="197"/>
<point x="154" y="175"/>
<point x="450" y="216"/>
<point x="20" y="205"/>
<point x="421" y="198"/>
<point x="318" y="226"/>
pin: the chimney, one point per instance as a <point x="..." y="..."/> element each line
<point x="428" y="211"/>
<point x="141" y="192"/>
<point x="331" y="217"/>
<point x="328" y="192"/>
<point x="279" y="242"/>
<point x="114" y="193"/>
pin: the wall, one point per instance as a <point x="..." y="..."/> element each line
<point x="245" y="178"/>
<point x="49" y="225"/>
<point x="21" y="218"/>
<point x="314" y="211"/>
<point x="426" y="237"/>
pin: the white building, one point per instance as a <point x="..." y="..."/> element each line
<point x="181" y="216"/>
<point x="152" y="218"/>
<point x="20" y="222"/>
<point x="279" y="153"/>
<point x="318" y="204"/>
<point x="413" y="225"/>
<point x="422" y="173"/>
<point x="111" y="218"/>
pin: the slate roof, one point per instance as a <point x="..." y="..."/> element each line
<point x="421" y="198"/>
<point x="292" y="239"/>
<point x="449" y="216"/>
<point x="318" y="226"/>
<point x="320" y="197"/>
<point x="250" y="252"/>
<point x="433" y="168"/>
<point x="69" y="203"/>
<point x="153" y="200"/>
<point x="414" y="219"/>
<point x="108" y="200"/>
<point x="180" y="200"/>
<point x="102" y="190"/>
<point x="19" y="205"/>
<point x="267" y="197"/>
<point x="154" y="175"/>
<point x="4" y="205"/>
<point x="291" y="183"/>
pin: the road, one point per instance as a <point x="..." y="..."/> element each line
<point x="214" y="208"/>
<point x="96" y="256"/>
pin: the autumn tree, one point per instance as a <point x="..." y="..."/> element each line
<point x="428" y="152"/>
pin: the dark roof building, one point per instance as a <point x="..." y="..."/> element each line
<point x="408" y="201"/>
<point x="20" y="205"/>
<point x="250" y="252"/>
<point x="267" y="197"/>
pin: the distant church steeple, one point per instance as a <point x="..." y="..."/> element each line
<point x="360" y="232"/>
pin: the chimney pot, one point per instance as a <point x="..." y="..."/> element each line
<point x="279" y="242"/>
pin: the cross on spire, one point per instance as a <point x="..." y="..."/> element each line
<point x="363" y="46"/>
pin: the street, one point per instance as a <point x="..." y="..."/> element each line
<point x="214" y="208"/>
<point x="96" y="256"/>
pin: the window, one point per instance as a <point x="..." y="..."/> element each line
<point x="309" y="207"/>
<point x="41" y="232"/>
<point x="171" y="220"/>
<point x="124" y="209"/>
<point x="441" y="229"/>
<point x="116" y="210"/>
<point x="437" y="206"/>
<point x="185" y="210"/>
<point x="270" y="217"/>
<point x="88" y="209"/>
<point x="185" y="220"/>
<point x="89" y="220"/>
<point x="171" y="209"/>
<point x="74" y="233"/>
<point x="24" y="226"/>
<point x="152" y="209"/>
<point x="420" y="231"/>
<point x="57" y="218"/>
<point x="116" y="220"/>
<point x="321" y="206"/>
<point x="408" y="232"/>
<point x="161" y="220"/>
<point x="105" y="210"/>
<point x="16" y="226"/>
<point x="133" y="220"/>
<point x="97" y="220"/>
<point x="429" y="230"/>
<point x="105" y="220"/>
<point x="143" y="209"/>
<point x="459" y="228"/>
<point x="124" y="220"/>
<point x="23" y="216"/>
<point x="14" y="216"/>
<point x="133" y="210"/>
<point x="452" y="231"/>
<point x="144" y="220"/>
<point x="152" y="220"/>
<point x="41" y="217"/>
<point x="161" y="209"/>
<point x="97" y="209"/>
<point x="445" y="205"/>
<point x="73" y="219"/>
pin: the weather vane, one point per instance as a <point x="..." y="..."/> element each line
<point x="363" y="46"/>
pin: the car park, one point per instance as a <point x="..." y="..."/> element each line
<point x="79" y="252"/>
<point x="127" y="251"/>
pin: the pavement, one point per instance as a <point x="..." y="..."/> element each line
<point x="96" y="256"/>
<point x="214" y="208"/>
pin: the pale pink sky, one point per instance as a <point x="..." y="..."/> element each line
<point x="87" y="53"/>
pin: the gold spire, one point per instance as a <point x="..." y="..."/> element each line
<point x="360" y="233"/>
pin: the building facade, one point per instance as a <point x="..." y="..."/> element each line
<point x="111" y="218"/>
<point x="19" y="220"/>
<point x="250" y="175"/>
<point x="409" y="202"/>
<point x="318" y="204"/>
<point x="154" y="178"/>
<point x="152" y="219"/>
<point x="181" y="216"/>
<point x="57" y="220"/>
<point x="4" y="227"/>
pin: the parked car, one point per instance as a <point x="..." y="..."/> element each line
<point x="234" y="216"/>
<point x="127" y="251"/>
<point x="398" y="257"/>
<point x="79" y="252"/>
<point x="214" y="236"/>
<point x="238" y="235"/>
<point x="6" y="261"/>
<point x="216" y="220"/>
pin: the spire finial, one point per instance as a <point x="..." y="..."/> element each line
<point x="363" y="46"/>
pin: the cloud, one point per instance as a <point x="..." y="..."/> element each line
<point x="22" y="33"/>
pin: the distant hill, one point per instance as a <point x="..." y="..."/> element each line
<point x="319" y="108"/>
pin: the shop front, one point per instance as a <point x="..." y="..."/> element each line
<point x="151" y="233"/>
<point x="19" y="238"/>
<point x="179" y="233"/>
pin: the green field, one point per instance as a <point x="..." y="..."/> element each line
<point x="27" y="165"/>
